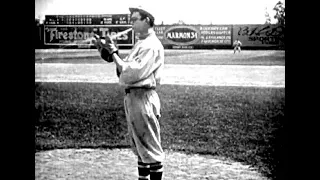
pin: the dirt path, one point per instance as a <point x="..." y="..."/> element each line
<point x="211" y="75"/>
<point x="120" y="164"/>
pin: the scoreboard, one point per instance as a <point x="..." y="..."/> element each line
<point x="76" y="29"/>
<point x="97" y="19"/>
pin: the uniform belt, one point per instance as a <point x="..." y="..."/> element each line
<point x="127" y="90"/>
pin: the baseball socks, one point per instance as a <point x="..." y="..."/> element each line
<point x="152" y="171"/>
<point x="143" y="170"/>
<point x="156" y="170"/>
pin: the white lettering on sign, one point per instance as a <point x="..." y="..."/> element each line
<point x="70" y="35"/>
<point x="53" y="33"/>
<point x="182" y="47"/>
<point x="215" y="37"/>
<point x="104" y="30"/>
<point x="213" y="28"/>
<point x="215" y="34"/>
<point x="86" y="35"/>
<point x="209" y="41"/>
<point x="223" y="32"/>
<point x="159" y="30"/>
<point x="208" y="32"/>
<point x="80" y="35"/>
<point x="182" y="35"/>
<point x="209" y="28"/>
<point x="215" y="41"/>
<point x="63" y="34"/>
<point x="60" y="34"/>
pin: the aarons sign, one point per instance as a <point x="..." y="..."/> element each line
<point x="189" y="35"/>
<point x="181" y="35"/>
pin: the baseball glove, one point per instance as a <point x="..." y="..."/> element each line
<point x="105" y="55"/>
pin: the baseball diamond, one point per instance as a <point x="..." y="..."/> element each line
<point x="103" y="163"/>
<point x="211" y="75"/>
<point x="139" y="94"/>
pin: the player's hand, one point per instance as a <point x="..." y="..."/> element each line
<point x="110" y="45"/>
<point x="106" y="43"/>
<point x="98" y="44"/>
<point x="111" y="48"/>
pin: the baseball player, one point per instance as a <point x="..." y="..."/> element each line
<point x="140" y="74"/>
<point x="237" y="46"/>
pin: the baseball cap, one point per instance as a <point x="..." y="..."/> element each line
<point x="141" y="9"/>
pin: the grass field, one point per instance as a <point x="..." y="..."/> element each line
<point x="243" y="124"/>
<point x="202" y="57"/>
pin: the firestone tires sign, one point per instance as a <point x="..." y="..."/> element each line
<point x="184" y="35"/>
<point x="78" y="34"/>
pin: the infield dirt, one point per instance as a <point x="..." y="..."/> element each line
<point x="120" y="164"/>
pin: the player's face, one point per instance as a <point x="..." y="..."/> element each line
<point x="138" y="25"/>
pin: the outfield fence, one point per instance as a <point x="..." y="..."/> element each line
<point x="186" y="36"/>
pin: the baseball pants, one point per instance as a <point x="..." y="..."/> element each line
<point x="142" y="108"/>
<point x="237" y="48"/>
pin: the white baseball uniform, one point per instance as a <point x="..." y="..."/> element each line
<point x="237" y="45"/>
<point x="141" y="72"/>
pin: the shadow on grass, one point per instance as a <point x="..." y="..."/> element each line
<point x="243" y="124"/>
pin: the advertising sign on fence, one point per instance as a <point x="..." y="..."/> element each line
<point x="186" y="35"/>
<point x="263" y="35"/>
<point x="78" y="34"/>
<point x="88" y="19"/>
<point x="174" y="36"/>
